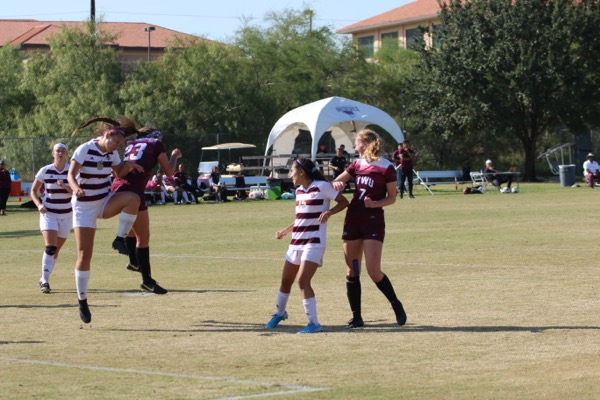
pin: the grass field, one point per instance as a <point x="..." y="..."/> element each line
<point x="502" y="293"/>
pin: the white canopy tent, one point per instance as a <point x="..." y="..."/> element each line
<point x="340" y="116"/>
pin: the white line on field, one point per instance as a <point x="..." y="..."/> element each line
<point x="291" y="389"/>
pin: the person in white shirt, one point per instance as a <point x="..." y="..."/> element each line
<point x="307" y="247"/>
<point x="591" y="170"/>
<point x="90" y="172"/>
<point x="56" y="213"/>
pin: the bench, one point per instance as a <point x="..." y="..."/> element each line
<point x="252" y="183"/>
<point x="430" y="178"/>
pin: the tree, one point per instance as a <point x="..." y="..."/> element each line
<point x="77" y="80"/>
<point x="512" y="70"/>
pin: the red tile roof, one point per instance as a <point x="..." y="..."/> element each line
<point x="130" y="34"/>
<point x="411" y="12"/>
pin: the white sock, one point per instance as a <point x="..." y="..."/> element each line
<point x="82" y="279"/>
<point x="281" y="302"/>
<point x="48" y="262"/>
<point x="310" y="307"/>
<point x="126" y="222"/>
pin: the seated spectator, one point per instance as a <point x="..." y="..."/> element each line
<point x="240" y="182"/>
<point x="176" y="191"/>
<point x="216" y="187"/>
<point x="183" y="182"/>
<point x="591" y="170"/>
<point x="156" y="185"/>
<point x="492" y="176"/>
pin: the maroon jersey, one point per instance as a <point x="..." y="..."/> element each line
<point x="145" y="152"/>
<point x="370" y="179"/>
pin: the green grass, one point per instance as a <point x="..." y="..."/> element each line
<point x="502" y="293"/>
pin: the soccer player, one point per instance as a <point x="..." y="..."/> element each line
<point x="89" y="176"/>
<point x="307" y="247"/>
<point x="56" y="213"/>
<point x="146" y="151"/>
<point x="364" y="225"/>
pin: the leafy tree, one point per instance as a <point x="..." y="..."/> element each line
<point x="78" y="79"/>
<point x="512" y="70"/>
<point x="13" y="100"/>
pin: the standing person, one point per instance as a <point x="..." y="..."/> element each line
<point x="338" y="163"/>
<point x="307" y="247"/>
<point x="5" y="186"/>
<point x="147" y="151"/>
<point x="364" y="225"/>
<point x="89" y="177"/>
<point x="407" y="160"/>
<point x="56" y="213"/>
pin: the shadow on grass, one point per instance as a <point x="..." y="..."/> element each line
<point x="22" y="342"/>
<point x="372" y="328"/>
<point x="19" y="234"/>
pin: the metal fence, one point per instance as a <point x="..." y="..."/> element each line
<point x="28" y="154"/>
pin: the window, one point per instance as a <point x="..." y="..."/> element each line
<point x="389" y="40"/>
<point x="412" y="37"/>
<point x="436" y="33"/>
<point x="366" y="46"/>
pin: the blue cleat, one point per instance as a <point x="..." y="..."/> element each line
<point x="276" y="320"/>
<point x="311" y="328"/>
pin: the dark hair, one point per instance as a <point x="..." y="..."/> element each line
<point x="311" y="170"/>
<point x="122" y="125"/>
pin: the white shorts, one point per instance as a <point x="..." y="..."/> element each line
<point x="85" y="214"/>
<point x="60" y="223"/>
<point x="312" y="254"/>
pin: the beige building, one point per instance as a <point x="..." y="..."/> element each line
<point x="399" y="26"/>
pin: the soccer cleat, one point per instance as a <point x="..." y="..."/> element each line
<point x="355" y="323"/>
<point x="400" y="313"/>
<point x="84" y="311"/>
<point x="119" y="245"/>
<point x="311" y="328"/>
<point x="153" y="288"/>
<point x="132" y="267"/>
<point x="275" y="320"/>
<point x="44" y="287"/>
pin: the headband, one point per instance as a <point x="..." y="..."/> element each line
<point x="59" y="146"/>
<point x="116" y="131"/>
<point x="155" y="134"/>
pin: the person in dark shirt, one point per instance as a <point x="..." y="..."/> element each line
<point x="5" y="186"/>
<point x="182" y="181"/>
<point x="338" y="163"/>
<point x="147" y="151"/>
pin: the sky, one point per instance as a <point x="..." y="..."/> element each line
<point x="214" y="19"/>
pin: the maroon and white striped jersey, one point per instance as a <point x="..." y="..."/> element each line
<point x="310" y="204"/>
<point x="56" y="198"/>
<point x="95" y="173"/>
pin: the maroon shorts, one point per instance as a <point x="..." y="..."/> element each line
<point x="128" y="188"/>
<point x="363" y="226"/>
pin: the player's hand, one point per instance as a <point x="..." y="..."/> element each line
<point x="338" y="185"/>
<point x="324" y="216"/>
